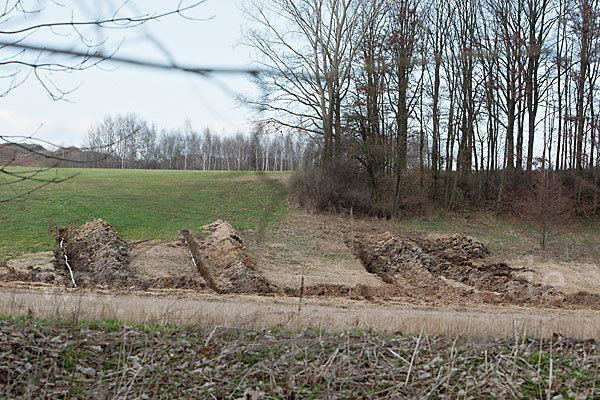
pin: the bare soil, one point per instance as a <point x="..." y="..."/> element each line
<point x="96" y="255"/>
<point x="308" y="256"/>
<point x="37" y="267"/>
<point x="431" y="269"/>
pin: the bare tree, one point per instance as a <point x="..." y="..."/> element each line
<point x="438" y="29"/>
<point x="538" y="24"/>
<point x="307" y="48"/>
<point x="366" y="121"/>
<point x="406" y="27"/>
<point x="84" y="42"/>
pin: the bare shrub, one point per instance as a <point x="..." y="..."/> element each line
<point x="545" y="203"/>
<point x="348" y="187"/>
<point x="345" y="188"/>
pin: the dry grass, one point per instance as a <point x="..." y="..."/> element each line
<point x="80" y="359"/>
<point x="267" y="312"/>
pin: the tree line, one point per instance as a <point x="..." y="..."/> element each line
<point x="127" y="141"/>
<point x="473" y="95"/>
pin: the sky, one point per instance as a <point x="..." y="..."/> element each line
<point x="165" y="98"/>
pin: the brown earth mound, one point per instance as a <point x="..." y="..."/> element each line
<point x="456" y="248"/>
<point x="447" y="271"/>
<point x="231" y="267"/>
<point x="100" y="258"/>
<point x="97" y="256"/>
<point x="403" y="264"/>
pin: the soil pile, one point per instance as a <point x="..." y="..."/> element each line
<point x="456" y="248"/>
<point x="402" y="263"/>
<point x="232" y="269"/>
<point x="100" y="258"/>
<point x="450" y="270"/>
<point x="97" y="256"/>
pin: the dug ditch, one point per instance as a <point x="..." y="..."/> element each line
<point x="445" y="271"/>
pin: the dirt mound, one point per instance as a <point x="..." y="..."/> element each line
<point x="457" y="248"/>
<point x="400" y="262"/>
<point x="97" y="256"/>
<point x="584" y="298"/>
<point x="445" y="270"/>
<point x="232" y="269"/>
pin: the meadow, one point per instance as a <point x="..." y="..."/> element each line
<point x="140" y="204"/>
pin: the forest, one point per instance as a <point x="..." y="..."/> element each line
<point x="461" y="100"/>
<point x="129" y="142"/>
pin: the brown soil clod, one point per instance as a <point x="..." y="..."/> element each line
<point x="456" y="248"/>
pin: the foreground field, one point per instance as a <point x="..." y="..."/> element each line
<point x="107" y="359"/>
<point x="261" y="312"/>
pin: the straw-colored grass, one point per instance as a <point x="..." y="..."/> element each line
<point x="267" y="312"/>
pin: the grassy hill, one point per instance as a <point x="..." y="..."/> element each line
<point x="140" y="204"/>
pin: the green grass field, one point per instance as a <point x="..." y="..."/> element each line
<point x="140" y="204"/>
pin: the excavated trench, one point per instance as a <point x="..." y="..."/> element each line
<point x="197" y="259"/>
<point x="450" y="270"/>
<point x="222" y="259"/>
<point x="99" y="258"/>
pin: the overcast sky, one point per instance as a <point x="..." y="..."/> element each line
<point x="164" y="98"/>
